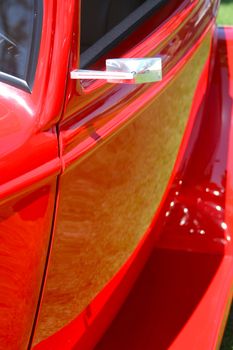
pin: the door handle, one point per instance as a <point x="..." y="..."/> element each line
<point x="125" y="70"/>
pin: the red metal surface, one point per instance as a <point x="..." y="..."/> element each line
<point x="28" y="140"/>
<point x="178" y="295"/>
<point x="98" y="115"/>
<point x="186" y="285"/>
<point x="194" y="216"/>
<point x="29" y="167"/>
<point x="103" y="108"/>
<point x="25" y="224"/>
<point x="185" y="290"/>
<point x="182" y="292"/>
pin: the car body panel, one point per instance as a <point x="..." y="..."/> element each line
<point x="109" y="198"/>
<point x="25" y="226"/>
<point x="28" y="143"/>
<point x="184" y="285"/>
<point x="106" y="137"/>
<point x="196" y="293"/>
<point x="116" y="201"/>
<point x="30" y="164"/>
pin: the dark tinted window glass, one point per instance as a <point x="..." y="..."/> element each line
<point x="19" y="21"/>
<point x="105" y="23"/>
<point x="100" y="16"/>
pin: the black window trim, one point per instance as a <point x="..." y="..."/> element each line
<point x="27" y="84"/>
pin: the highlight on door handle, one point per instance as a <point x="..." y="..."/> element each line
<point x="125" y="70"/>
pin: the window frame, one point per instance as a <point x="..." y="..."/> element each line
<point x="27" y="83"/>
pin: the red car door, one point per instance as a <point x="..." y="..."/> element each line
<point x="29" y="157"/>
<point x="121" y="147"/>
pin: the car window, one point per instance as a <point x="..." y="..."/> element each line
<point x="104" y="23"/>
<point x="20" y="30"/>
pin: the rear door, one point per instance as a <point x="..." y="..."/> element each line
<point x="119" y="144"/>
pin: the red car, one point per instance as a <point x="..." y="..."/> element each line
<point x="116" y="181"/>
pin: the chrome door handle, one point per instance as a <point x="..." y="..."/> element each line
<point x="125" y="70"/>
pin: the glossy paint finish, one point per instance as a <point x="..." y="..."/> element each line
<point x="102" y="107"/>
<point x="30" y="163"/>
<point x="118" y="146"/>
<point x="25" y="225"/>
<point x="184" y="290"/>
<point x="28" y="142"/>
<point x="174" y="304"/>
<point x="195" y="215"/>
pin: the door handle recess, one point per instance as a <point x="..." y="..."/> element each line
<point x="125" y="70"/>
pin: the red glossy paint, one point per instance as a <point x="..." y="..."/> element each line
<point x="30" y="164"/>
<point x="186" y="286"/>
<point x="25" y="224"/>
<point x="178" y="280"/>
<point x="195" y="217"/>
<point x="172" y="41"/>
<point x="200" y="178"/>
<point x="28" y="142"/>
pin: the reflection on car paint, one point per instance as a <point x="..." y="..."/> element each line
<point x="108" y="199"/>
<point x="195" y="205"/>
